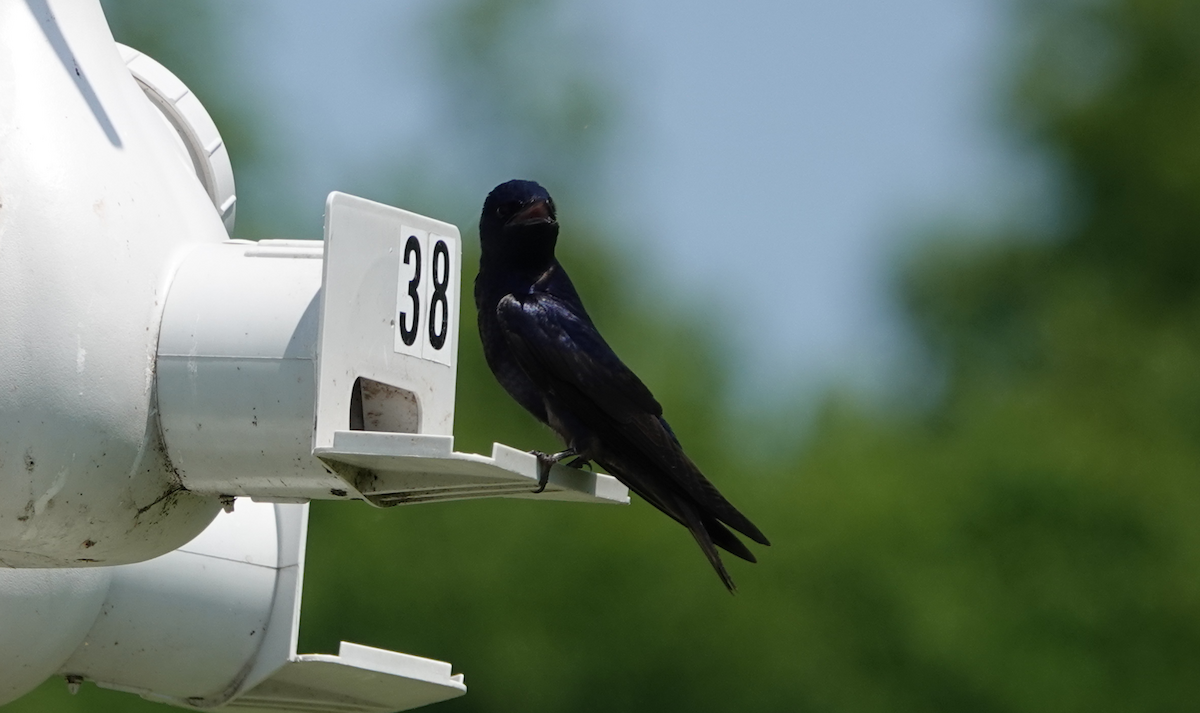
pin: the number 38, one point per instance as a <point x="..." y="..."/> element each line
<point x="438" y="319"/>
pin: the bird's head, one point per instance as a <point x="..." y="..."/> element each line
<point x="519" y="222"/>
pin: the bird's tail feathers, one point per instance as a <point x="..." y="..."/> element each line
<point x="696" y="526"/>
<point x="659" y="498"/>
<point x="726" y="540"/>
<point x="715" y="504"/>
<point x="705" y="526"/>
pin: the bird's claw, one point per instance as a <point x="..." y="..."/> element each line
<point x="546" y="461"/>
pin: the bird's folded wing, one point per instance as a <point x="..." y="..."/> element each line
<point x="563" y="353"/>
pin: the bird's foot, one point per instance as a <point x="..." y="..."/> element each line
<point x="545" y="461"/>
<point x="580" y="463"/>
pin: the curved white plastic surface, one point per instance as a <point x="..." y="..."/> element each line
<point x="187" y="625"/>
<point x="201" y="143"/>
<point x="237" y="370"/>
<point x="214" y="623"/>
<point x="96" y="210"/>
<point x="45" y="616"/>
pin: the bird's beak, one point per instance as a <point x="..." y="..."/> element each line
<point x="536" y="212"/>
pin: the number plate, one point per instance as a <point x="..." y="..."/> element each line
<point x="389" y="311"/>
<point x="427" y="286"/>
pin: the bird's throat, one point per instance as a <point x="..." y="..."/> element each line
<point x="527" y="248"/>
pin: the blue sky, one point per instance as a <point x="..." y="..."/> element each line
<point x="789" y="149"/>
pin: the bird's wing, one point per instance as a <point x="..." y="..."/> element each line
<point x="563" y="354"/>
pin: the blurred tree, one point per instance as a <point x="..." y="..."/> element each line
<point x="1031" y="543"/>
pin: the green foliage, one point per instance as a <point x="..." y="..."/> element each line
<point x="1029" y="543"/>
<point x="1111" y="88"/>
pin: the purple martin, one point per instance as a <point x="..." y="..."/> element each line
<point x="548" y="355"/>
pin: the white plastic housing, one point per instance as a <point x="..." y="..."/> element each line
<point x="97" y="209"/>
<point x="237" y="370"/>
<point x="213" y="623"/>
<point x="199" y="142"/>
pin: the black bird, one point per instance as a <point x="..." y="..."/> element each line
<point x="545" y="351"/>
